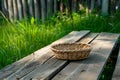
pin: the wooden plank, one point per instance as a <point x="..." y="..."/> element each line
<point x="116" y="74"/>
<point x="30" y="5"/>
<point x="91" y="68"/>
<point x="19" y="4"/>
<point x="5" y="72"/>
<point x="105" y="7"/>
<point x="10" y="9"/>
<point x="15" y="9"/>
<point x="55" y="6"/>
<point x="21" y="64"/>
<point x="37" y="9"/>
<point x="24" y="5"/>
<point x="43" y="10"/>
<point x="50" y="68"/>
<point x="70" y="38"/>
<point x="49" y="8"/>
<point x="6" y="7"/>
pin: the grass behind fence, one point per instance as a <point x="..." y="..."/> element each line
<point x="24" y="37"/>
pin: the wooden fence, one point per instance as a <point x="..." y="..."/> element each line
<point x="42" y="9"/>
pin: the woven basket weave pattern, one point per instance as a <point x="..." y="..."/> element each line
<point x="71" y="51"/>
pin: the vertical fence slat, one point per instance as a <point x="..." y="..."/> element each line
<point x="37" y="9"/>
<point x="20" y="9"/>
<point x="5" y="7"/>
<point x="55" y="6"/>
<point x="49" y="8"/>
<point x="105" y="4"/>
<point x="92" y="5"/>
<point x="30" y="5"/>
<point x="43" y="10"/>
<point x="10" y="10"/>
<point x="15" y="9"/>
<point x="24" y="4"/>
<point x="2" y="5"/>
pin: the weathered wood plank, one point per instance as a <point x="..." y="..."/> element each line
<point x="24" y="4"/>
<point x="19" y="4"/>
<point x="33" y="58"/>
<point x="43" y="10"/>
<point x="30" y="5"/>
<point x="55" y="6"/>
<point x="116" y="74"/>
<point x="105" y="7"/>
<point x="6" y="7"/>
<point x="69" y="38"/>
<point x="49" y="8"/>
<point x="10" y="9"/>
<point x="37" y="9"/>
<point x="15" y="9"/>
<point x="50" y="68"/>
<point x="91" y="68"/>
<point x="5" y="72"/>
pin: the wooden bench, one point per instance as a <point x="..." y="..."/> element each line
<point x="41" y="65"/>
<point x="116" y="74"/>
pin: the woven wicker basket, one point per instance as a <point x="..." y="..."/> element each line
<point x="71" y="51"/>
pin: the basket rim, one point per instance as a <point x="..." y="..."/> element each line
<point x="85" y="49"/>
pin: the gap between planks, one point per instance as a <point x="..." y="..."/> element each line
<point x="116" y="73"/>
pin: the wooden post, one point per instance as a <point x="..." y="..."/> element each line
<point x="49" y="8"/>
<point x="55" y="6"/>
<point x="30" y="5"/>
<point x="105" y="7"/>
<point x="20" y="9"/>
<point x="10" y="10"/>
<point x="37" y="9"/>
<point x="43" y="10"/>
<point x="15" y="9"/>
<point x="4" y="6"/>
<point x="92" y="5"/>
<point x="24" y="4"/>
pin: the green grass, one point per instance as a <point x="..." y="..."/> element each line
<point x="24" y="37"/>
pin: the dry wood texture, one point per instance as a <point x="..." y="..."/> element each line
<point x="91" y="68"/>
<point x="10" y="9"/>
<point x="29" y="63"/>
<point x="15" y="9"/>
<point x="50" y="68"/>
<point x="24" y="4"/>
<point x="41" y="9"/>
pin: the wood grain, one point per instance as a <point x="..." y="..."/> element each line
<point x="37" y="9"/>
<point x="10" y="9"/>
<point x="24" y="4"/>
<point x="91" y="68"/>
<point x="19" y="5"/>
<point x="36" y="58"/>
<point x="50" y="68"/>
